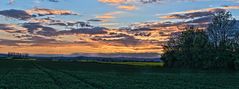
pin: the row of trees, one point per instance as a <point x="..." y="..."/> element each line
<point x="214" y="47"/>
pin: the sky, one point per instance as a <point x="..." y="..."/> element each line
<point x="128" y="28"/>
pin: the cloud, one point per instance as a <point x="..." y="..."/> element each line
<point x="105" y="17"/>
<point x="95" y="20"/>
<point x="88" y="39"/>
<point x="12" y="28"/>
<point x="197" y="13"/>
<point x="114" y="1"/>
<point x="119" y="39"/>
<point x="109" y="24"/>
<point x="32" y="13"/>
<point x="127" y="7"/>
<point x="91" y="31"/>
<point x="13" y="1"/>
<point x="18" y="14"/>
<point x="121" y="4"/>
<point x="149" y="1"/>
<point x="193" y="13"/>
<point x="109" y="15"/>
<point x="129" y="1"/>
<point x="44" y="11"/>
<point x="38" y="29"/>
<point x="230" y="7"/>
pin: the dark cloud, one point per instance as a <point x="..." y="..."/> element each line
<point x="12" y="28"/>
<point x="39" y="29"/>
<point x="77" y="24"/>
<point x="149" y="1"/>
<point x="36" y="40"/>
<point x="92" y="31"/>
<point x="13" y="1"/>
<point x="11" y="42"/>
<point x="17" y="14"/>
<point x="5" y="27"/>
<point x="118" y="39"/>
<point x="32" y="40"/>
<point x="194" y="14"/>
<point x="153" y="25"/>
<point x="32" y="13"/>
<point x="36" y="28"/>
<point x="95" y="20"/>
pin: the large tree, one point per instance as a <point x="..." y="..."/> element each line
<point x="222" y="29"/>
<point x="215" y="47"/>
<point x="185" y="49"/>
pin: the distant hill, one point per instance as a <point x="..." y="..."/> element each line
<point x="47" y="57"/>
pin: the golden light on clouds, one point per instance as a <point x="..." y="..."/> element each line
<point x="69" y="49"/>
<point x="110" y="15"/>
<point x="128" y="7"/>
<point x="44" y="11"/>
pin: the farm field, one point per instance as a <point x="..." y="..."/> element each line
<point x="85" y="75"/>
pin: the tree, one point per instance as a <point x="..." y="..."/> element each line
<point x="185" y="49"/>
<point x="212" y="48"/>
<point x="222" y="33"/>
<point x="222" y="29"/>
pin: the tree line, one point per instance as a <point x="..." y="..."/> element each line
<point x="215" y="47"/>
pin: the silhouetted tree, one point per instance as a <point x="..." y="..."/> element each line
<point x="222" y="29"/>
<point x="186" y="48"/>
<point x="215" y="47"/>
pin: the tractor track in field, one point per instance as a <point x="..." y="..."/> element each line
<point x="93" y="85"/>
<point x="7" y="73"/>
<point x="83" y="80"/>
<point x="56" y="81"/>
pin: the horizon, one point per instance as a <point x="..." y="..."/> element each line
<point x="123" y="27"/>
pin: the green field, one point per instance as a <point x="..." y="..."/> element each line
<point x="85" y="75"/>
<point x="152" y="64"/>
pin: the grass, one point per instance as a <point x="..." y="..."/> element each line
<point x="20" y="74"/>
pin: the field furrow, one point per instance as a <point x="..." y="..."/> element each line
<point x="65" y="80"/>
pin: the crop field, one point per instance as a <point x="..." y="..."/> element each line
<point x="85" y="75"/>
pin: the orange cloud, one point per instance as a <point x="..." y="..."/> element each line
<point x="121" y="4"/>
<point x="230" y="7"/>
<point x="127" y="7"/>
<point x="105" y="17"/>
<point x="44" y="11"/>
<point x="109" y="15"/>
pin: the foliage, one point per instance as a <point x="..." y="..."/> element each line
<point x="215" y="47"/>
